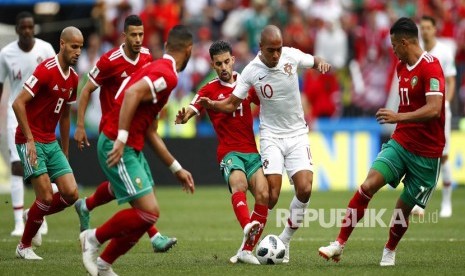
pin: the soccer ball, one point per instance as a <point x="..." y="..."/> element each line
<point x="270" y="250"/>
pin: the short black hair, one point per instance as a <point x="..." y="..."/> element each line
<point x="132" y="20"/>
<point x="179" y="38"/>
<point x="24" y="14"/>
<point x="219" y="47"/>
<point x="430" y="19"/>
<point x="405" y="27"/>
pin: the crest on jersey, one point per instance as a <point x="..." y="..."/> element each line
<point x="434" y="84"/>
<point x="288" y="68"/>
<point x="266" y="163"/>
<point x="414" y="81"/>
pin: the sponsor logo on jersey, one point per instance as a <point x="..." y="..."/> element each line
<point x="221" y="96"/>
<point x="139" y="182"/>
<point x="229" y="162"/>
<point x="414" y="81"/>
<point x="260" y="78"/>
<point x="406" y="79"/>
<point x="288" y="68"/>
<point x="55" y="87"/>
<point x="31" y="81"/>
<point x="17" y="76"/>
<point x="124" y="74"/>
<point x="39" y="60"/>
<point x="434" y="84"/>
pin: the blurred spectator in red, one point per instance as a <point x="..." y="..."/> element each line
<point x="159" y="17"/>
<point x="321" y="95"/>
<point x="295" y="34"/>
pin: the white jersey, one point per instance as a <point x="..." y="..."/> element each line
<point x="18" y="65"/>
<point x="281" y="112"/>
<point x="444" y="54"/>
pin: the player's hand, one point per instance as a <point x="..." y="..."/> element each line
<point x="206" y="102"/>
<point x="80" y="137"/>
<point x="31" y="152"/>
<point x="115" y="154"/>
<point x="180" y="117"/>
<point x="186" y="180"/>
<point x="386" y="116"/>
<point x="324" y="67"/>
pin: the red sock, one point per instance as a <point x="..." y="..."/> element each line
<point x="125" y="222"/>
<point x="239" y="203"/>
<point x="395" y="234"/>
<point x="35" y="217"/>
<point x="260" y="214"/>
<point x="102" y="195"/>
<point x="152" y="231"/>
<point x="58" y="204"/>
<point x="119" y="246"/>
<point x="355" y="212"/>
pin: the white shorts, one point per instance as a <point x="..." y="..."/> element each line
<point x="292" y="154"/>
<point x="447" y="127"/>
<point x="11" y="125"/>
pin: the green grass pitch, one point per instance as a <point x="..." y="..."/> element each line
<point x="208" y="235"/>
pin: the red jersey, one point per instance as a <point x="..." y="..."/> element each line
<point x="51" y="89"/>
<point x="234" y="130"/>
<point x="110" y="71"/>
<point x="162" y="78"/>
<point x="415" y="83"/>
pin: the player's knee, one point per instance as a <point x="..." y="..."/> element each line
<point x="238" y="186"/>
<point x="46" y="198"/>
<point x="273" y="199"/>
<point x="70" y="196"/>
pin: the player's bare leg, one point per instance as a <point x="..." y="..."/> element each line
<point x="303" y="189"/>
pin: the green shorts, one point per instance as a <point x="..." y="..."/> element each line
<point x="131" y="177"/>
<point x="420" y="174"/>
<point x="249" y="163"/>
<point x="50" y="160"/>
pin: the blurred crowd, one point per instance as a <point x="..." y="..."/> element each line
<point x="352" y="35"/>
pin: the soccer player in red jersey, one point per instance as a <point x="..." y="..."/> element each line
<point x="414" y="151"/>
<point x="48" y="94"/>
<point x="132" y="118"/>
<point x="108" y="74"/>
<point x="237" y="151"/>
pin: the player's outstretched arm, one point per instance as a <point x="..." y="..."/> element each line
<point x="19" y="107"/>
<point x="432" y="109"/>
<point x="321" y="65"/>
<point x="227" y="105"/>
<point x="65" y="124"/>
<point x="184" y="115"/>
<point x="80" y="135"/>
<point x="159" y="147"/>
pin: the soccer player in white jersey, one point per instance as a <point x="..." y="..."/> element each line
<point x="283" y="130"/>
<point x="444" y="54"/>
<point x="17" y="62"/>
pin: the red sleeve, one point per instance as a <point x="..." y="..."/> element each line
<point x="203" y="92"/>
<point x="36" y="80"/>
<point x="252" y="95"/>
<point x="433" y="78"/>
<point x="99" y="72"/>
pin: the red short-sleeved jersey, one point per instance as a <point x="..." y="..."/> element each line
<point x="234" y="130"/>
<point x="51" y="89"/>
<point x="162" y="78"/>
<point x="415" y="84"/>
<point x="110" y="71"/>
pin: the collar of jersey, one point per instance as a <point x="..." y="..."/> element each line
<point x="410" y="68"/>
<point x="133" y="62"/>
<point x="166" y="56"/>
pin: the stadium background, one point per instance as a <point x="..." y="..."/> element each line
<point x="351" y="35"/>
